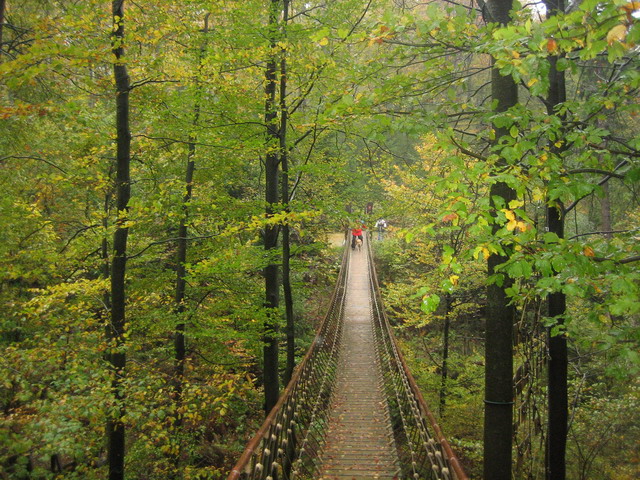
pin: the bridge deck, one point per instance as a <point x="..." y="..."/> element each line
<point x="359" y="441"/>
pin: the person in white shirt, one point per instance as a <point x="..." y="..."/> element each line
<point x="381" y="225"/>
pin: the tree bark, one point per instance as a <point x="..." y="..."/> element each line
<point x="271" y="276"/>
<point x="445" y="354"/>
<point x="605" y="211"/>
<point x="498" y="412"/>
<point x="3" y="4"/>
<point x="286" y="237"/>
<point x="182" y="246"/>
<point x="115" y="426"/>
<point x="558" y="397"/>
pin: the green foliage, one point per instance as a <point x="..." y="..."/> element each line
<point x="387" y="105"/>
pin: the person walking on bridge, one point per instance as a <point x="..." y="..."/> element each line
<point x="356" y="232"/>
<point x="381" y="225"/>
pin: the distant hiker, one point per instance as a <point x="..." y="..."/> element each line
<point x="355" y="234"/>
<point x="381" y="225"/>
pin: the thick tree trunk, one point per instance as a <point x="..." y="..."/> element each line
<point x="286" y="237"/>
<point x="272" y="286"/>
<point x="558" y="409"/>
<point x="498" y="416"/>
<point x="115" y="426"/>
<point x="558" y="399"/>
<point x="498" y="410"/>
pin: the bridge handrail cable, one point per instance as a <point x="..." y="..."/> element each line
<point x="412" y="419"/>
<point x="276" y="450"/>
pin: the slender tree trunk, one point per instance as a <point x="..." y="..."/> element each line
<point x="106" y="265"/>
<point x="3" y="4"/>
<point x="104" y="247"/>
<point x="558" y="397"/>
<point x="115" y="426"/>
<point x="181" y="273"/>
<point x="272" y="287"/>
<point x="605" y="211"/>
<point x="498" y="416"/>
<point x="286" y="237"/>
<point x="183" y="231"/>
<point x="445" y="354"/>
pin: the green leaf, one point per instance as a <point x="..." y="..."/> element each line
<point x="430" y="304"/>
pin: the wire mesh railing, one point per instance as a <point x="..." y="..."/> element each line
<point x="291" y="439"/>
<point x="290" y="442"/>
<point x="423" y="451"/>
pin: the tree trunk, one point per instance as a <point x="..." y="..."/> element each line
<point x="2" y="9"/>
<point x="115" y="426"/>
<point x="498" y="413"/>
<point x="605" y="211"/>
<point x="272" y="287"/>
<point x="286" y="237"/>
<point x="558" y="400"/>
<point x="558" y="409"/>
<point x="181" y="253"/>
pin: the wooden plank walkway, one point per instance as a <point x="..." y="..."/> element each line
<point x="359" y="441"/>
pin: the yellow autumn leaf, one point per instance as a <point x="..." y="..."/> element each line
<point x="617" y="34"/>
<point x="454" y="279"/>
<point x="509" y="214"/>
<point x="532" y="82"/>
<point x="511" y="217"/>
<point x="537" y="194"/>
<point x="324" y="41"/>
<point x="588" y="252"/>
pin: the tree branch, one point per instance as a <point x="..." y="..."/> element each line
<point x="28" y="157"/>
<point x="170" y="240"/>
<point x="468" y="152"/>
<point x="604" y="180"/>
<point x="601" y="233"/>
<point x="597" y="170"/>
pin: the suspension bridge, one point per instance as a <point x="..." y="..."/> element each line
<point x="352" y="410"/>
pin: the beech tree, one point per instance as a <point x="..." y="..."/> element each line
<point x="498" y="417"/>
<point x="117" y="327"/>
<point x="383" y="102"/>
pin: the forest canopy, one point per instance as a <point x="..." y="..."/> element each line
<point x="175" y="176"/>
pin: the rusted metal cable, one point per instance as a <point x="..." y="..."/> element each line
<point x="288" y="441"/>
<point x="421" y="433"/>
<point x="291" y="439"/>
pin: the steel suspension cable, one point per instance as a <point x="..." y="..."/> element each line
<point x="275" y="451"/>
<point x="415" y="419"/>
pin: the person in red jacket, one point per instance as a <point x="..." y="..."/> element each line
<point x="355" y="233"/>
